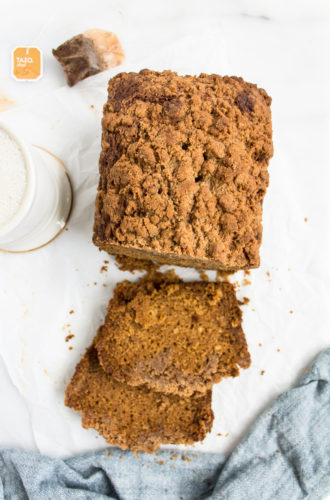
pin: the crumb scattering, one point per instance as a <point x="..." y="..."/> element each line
<point x="203" y="275"/>
<point x="186" y="459"/>
<point x="244" y="301"/>
<point x="246" y="282"/>
<point x="103" y="269"/>
<point x="131" y="264"/>
<point x="69" y="337"/>
<point x="223" y="275"/>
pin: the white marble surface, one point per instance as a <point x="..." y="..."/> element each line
<point x="284" y="47"/>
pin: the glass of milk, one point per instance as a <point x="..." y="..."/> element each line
<point x="35" y="194"/>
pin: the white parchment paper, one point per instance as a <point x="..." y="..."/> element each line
<point x="287" y="320"/>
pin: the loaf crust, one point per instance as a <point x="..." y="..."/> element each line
<point x="183" y="169"/>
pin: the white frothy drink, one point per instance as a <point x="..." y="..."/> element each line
<point x="13" y="178"/>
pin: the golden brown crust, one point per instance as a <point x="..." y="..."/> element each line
<point x="135" y="417"/>
<point x="183" y="169"/>
<point x="175" y="337"/>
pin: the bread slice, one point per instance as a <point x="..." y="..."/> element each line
<point x="135" y="418"/>
<point x="175" y="337"/>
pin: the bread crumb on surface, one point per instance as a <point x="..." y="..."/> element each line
<point x="219" y="434"/>
<point x="71" y="312"/>
<point x="70" y="348"/>
<point x="291" y="312"/>
<point x="226" y="435"/>
<point x="246" y="282"/>
<point x="203" y="275"/>
<point x="244" y="301"/>
<point x="103" y="269"/>
<point x="262" y="372"/>
<point x="268" y="273"/>
<point x="278" y="350"/>
<point x="186" y="459"/>
<point x="260" y="344"/>
<point x="305" y="219"/>
<point x="69" y="337"/>
<point x="130" y="264"/>
<point x="224" y="275"/>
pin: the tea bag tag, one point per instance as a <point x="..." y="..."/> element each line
<point x="26" y="64"/>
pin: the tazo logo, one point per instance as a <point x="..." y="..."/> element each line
<point x="23" y="60"/>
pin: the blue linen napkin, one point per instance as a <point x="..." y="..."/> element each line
<point x="284" y="456"/>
